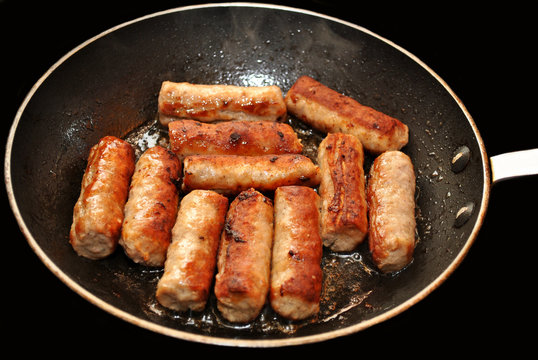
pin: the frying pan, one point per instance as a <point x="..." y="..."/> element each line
<point x="109" y="84"/>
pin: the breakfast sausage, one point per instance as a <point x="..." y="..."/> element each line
<point x="391" y="202"/>
<point x="329" y="111"/>
<point x="150" y="211"/>
<point x="296" y="275"/>
<point x="231" y="174"/>
<point x="98" y="212"/>
<point x="220" y="102"/>
<point x="344" y="222"/>
<point x="189" y="137"/>
<point x="192" y="255"/>
<point x="244" y="258"/>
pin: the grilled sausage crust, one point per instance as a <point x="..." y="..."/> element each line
<point x="220" y="102"/>
<point x="329" y="111"/>
<point x="192" y="255"/>
<point x="231" y="174"/>
<point x="244" y="258"/>
<point x="391" y="202"/>
<point x="98" y="212"/>
<point x="344" y="222"/>
<point x="190" y="137"/>
<point x="150" y="211"/>
<point x="296" y="275"/>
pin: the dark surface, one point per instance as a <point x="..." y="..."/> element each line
<point x="488" y="293"/>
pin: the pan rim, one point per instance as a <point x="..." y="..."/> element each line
<point x="207" y="339"/>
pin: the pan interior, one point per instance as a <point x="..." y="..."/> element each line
<point x="110" y="85"/>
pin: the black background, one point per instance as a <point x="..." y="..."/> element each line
<point x="484" y="53"/>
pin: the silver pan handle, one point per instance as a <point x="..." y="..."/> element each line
<point x="514" y="164"/>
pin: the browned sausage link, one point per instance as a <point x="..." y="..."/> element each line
<point x="220" y="102"/>
<point x="244" y="259"/>
<point x="344" y="221"/>
<point x="192" y="255"/>
<point x="329" y="111"/>
<point x="231" y="174"/>
<point x="98" y="212"/>
<point x="391" y="202"/>
<point x="150" y="211"/>
<point x="296" y="275"/>
<point x="189" y="137"/>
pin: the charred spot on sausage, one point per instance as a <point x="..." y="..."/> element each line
<point x="294" y="255"/>
<point x="234" y="137"/>
<point x="245" y="195"/>
<point x="232" y="233"/>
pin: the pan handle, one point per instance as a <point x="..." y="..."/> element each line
<point x="514" y="164"/>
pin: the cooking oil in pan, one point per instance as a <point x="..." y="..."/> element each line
<point x="148" y="135"/>
<point x="347" y="282"/>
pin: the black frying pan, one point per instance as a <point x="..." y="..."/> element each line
<point x="109" y="86"/>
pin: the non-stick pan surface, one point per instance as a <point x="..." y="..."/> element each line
<point x="109" y="86"/>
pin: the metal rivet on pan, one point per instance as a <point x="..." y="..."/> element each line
<point x="460" y="159"/>
<point x="464" y="214"/>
